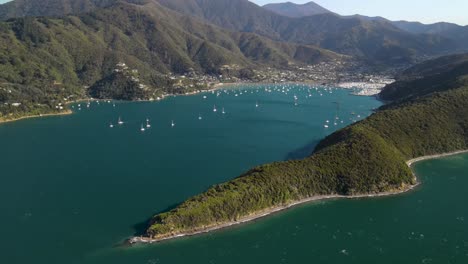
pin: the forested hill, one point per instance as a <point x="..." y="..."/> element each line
<point x="365" y="158"/>
<point x="44" y="60"/>
<point x="377" y="41"/>
<point x="52" y="8"/>
<point x="297" y="10"/>
<point x="434" y="75"/>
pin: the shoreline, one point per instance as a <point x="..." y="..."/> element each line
<point x="146" y="240"/>
<point x="214" y="87"/>
<point x="66" y="112"/>
<point x="270" y="211"/>
<point x="436" y="156"/>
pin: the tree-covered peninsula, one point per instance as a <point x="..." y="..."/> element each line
<point x="368" y="157"/>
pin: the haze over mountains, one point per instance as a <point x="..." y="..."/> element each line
<point x="372" y="40"/>
<point x="297" y="10"/>
<point x="457" y="33"/>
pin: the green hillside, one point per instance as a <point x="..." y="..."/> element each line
<point x="51" y="8"/>
<point x="296" y="10"/>
<point x="48" y="61"/>
<point x="365" y="158"/>
<point x="376" y="41"/>
<point x="434" y="75"/>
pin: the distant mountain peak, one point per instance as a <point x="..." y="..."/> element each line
<point x="297" y="10"/>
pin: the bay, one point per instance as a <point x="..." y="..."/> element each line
<point x="72" y="188"/>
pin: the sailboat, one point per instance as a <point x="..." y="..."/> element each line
<point x="214" y="109"/>
<point x="120" y="122"/>
<point x="172" y="123"/>
<point x="337" y="112"/>
<point x="111" y="125"/>
<point x="200" y="117"/>
<point x="142" y="129"/>
<point x="256" y="104"/>
<point x="147" y="123"/>
<point x="223" y="111"/>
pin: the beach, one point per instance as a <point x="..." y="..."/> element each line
<point x="415" y="160"/>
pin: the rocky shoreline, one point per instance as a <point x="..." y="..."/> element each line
<point x="264" y="213"/>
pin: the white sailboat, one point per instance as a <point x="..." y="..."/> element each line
<point x="111" y="125"/>
<point x="200" y="117"/>
<point x="147" y="123"/>
<point x="214" y="109"/>
<point x="223" y="111"/>
<point x="172" y="123"/>
<point x="142" y="129"/>
<point x="256" y="104"/>
<point x="120" y="122"/>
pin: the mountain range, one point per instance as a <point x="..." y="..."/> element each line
<point x="369" y="39"/>
<point x="297" y="10"/>
<point x="45" y="59"/>
<point x="372" y="40"/>
<point x="52" y="49"/>
<point x="56" y="51"/>
<point x="456" y="33"/>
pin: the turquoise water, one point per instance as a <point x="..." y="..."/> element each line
<point x="72" y="188"/>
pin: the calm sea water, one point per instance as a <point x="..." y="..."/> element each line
<point x="72" y="188"/>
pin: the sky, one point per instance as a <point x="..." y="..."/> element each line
<point x="425" y="11"/>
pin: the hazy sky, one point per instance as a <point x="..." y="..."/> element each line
<point x="426" y="11"/>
